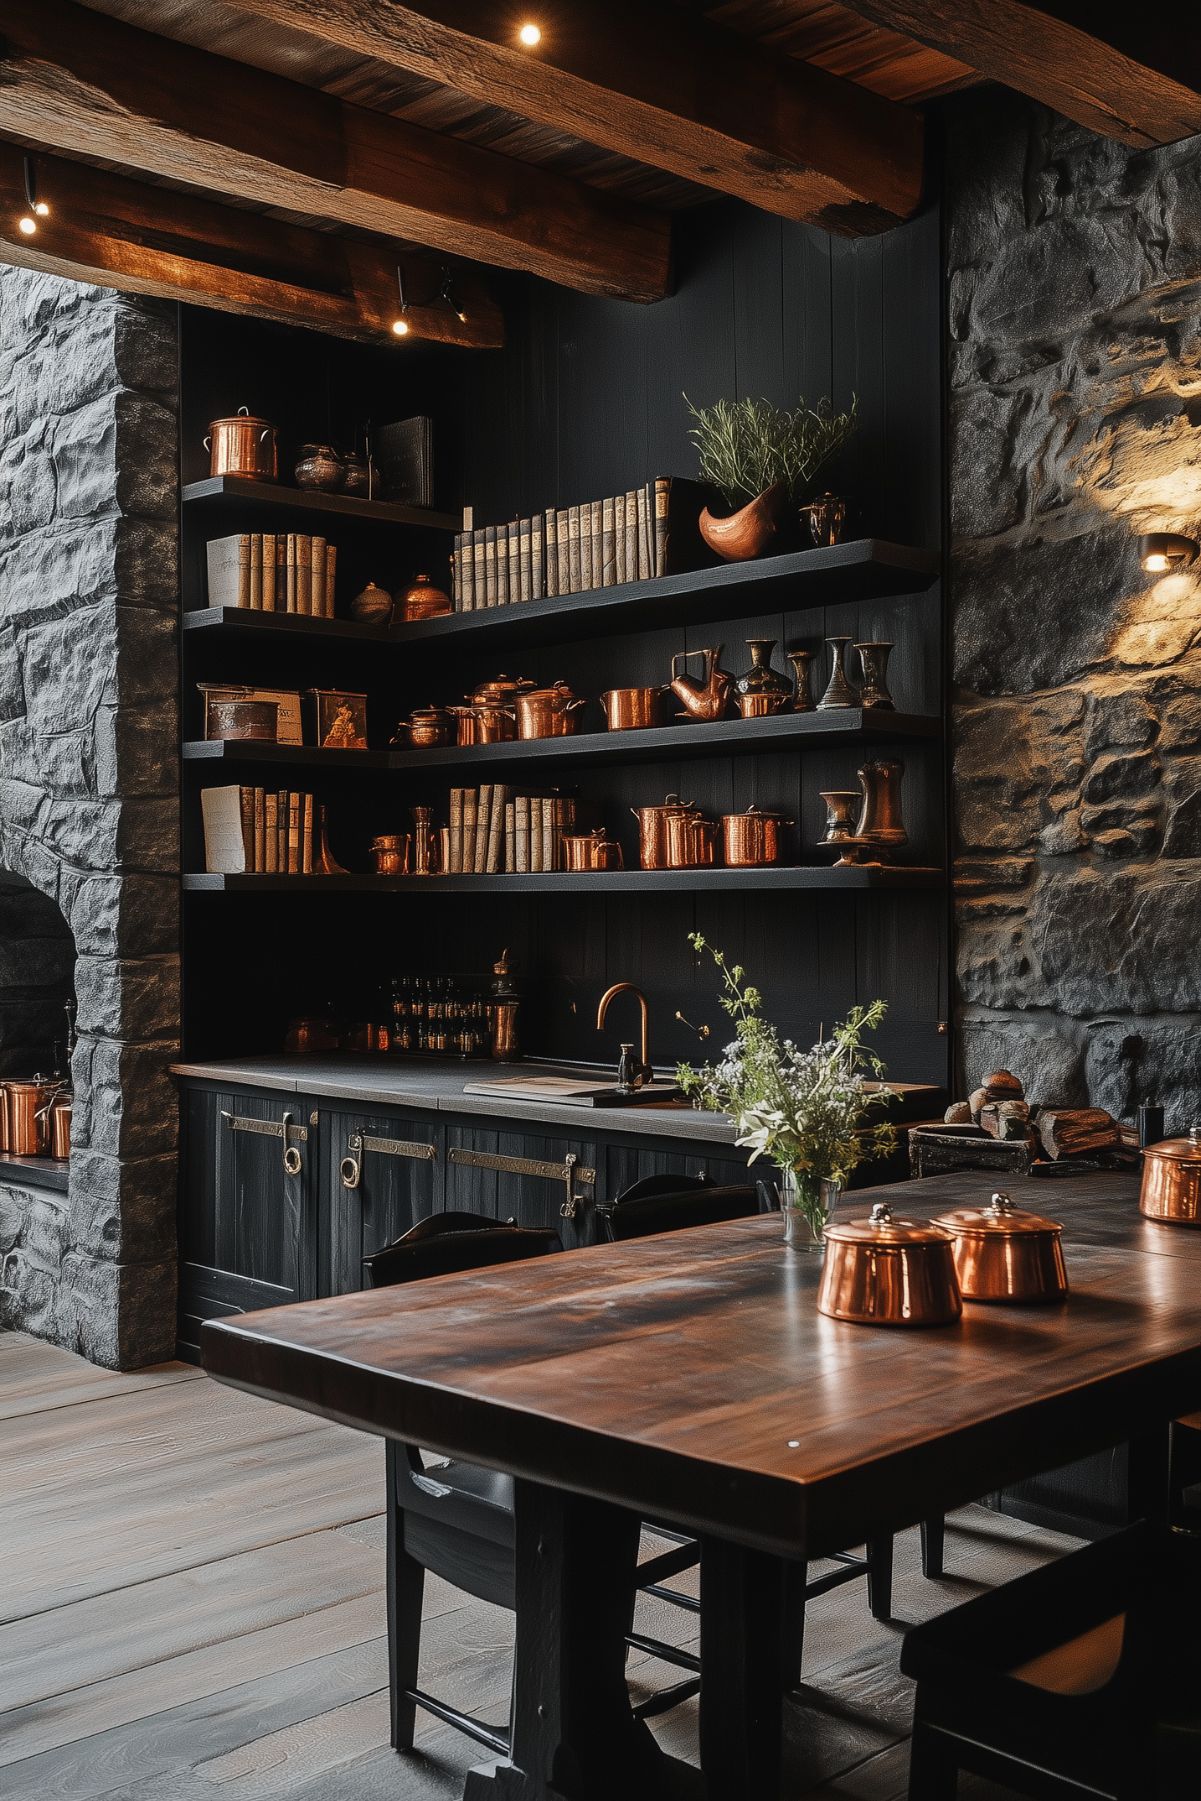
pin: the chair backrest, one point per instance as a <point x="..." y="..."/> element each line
<point x="426" y="1250"/>
<point x="671" y="1203"/>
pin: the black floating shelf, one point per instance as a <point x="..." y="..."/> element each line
<point x="226" y="490"/>
<point x="660" y="744"/>
<point x="864" y="570"/>
<point x="619" y="881"/>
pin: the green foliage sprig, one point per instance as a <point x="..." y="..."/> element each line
<point x="746" y="446"/>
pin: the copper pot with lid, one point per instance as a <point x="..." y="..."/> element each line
<point x="753" y="839"/>
<point x="427" y="728"/>
<point x="548" y="712"/>
<point x="501" y="691"/>
<point x="27" y="1105"/>
<point x="243" y="445"/>
<point x="883" y="1271"/>
<point x="1003" y="1253"/>
<point x="691" y="841"/>
<point x="1171" y="1186"/>
<point x="59" y="1128"/>
<point x="652" y="830"/>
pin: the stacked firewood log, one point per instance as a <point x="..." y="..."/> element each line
<point x="1000" y="1108"/>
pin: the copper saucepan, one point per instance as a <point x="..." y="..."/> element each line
<point x="691" y="841"/>
<point x="243" y="445"/>
<point x="592" y="850"/>
<point x="547" y="712"/>
<point x="1171" y="1186"/>
<point x="883" y="1271"/>
<point x="753" y="839"/>
<point x="1003" y="1253"/>
<point x="652" y="830"/>
<point x="632" y="709"/>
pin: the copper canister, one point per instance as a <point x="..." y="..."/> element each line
<point x="249" y="721"/>
<point x="1003" y="1253"/>
<point x="1171" y="1186"/>
<point x="753" y="839"/>
<point x="244" y="446"/>
<point x="591" y="850"/>
<point x="691" y="841"/>
<point x="28" y="1105"/>
<point x="60" y="1125"/>
<point x="883" y="1271"/>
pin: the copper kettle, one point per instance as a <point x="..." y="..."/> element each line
<point x="708" y="698"/>
<point x="1171" y="1186"/>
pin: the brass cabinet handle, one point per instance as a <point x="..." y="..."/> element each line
<point x="570" y="1172"/>
<point x="351" y="1167"/>
<point x="271" y="1128"/>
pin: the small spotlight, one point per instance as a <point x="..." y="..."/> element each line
<point x="28" y="225"/>
<point x="1159" y="552"/>
<point x="529" y="35"/>
<point x="400" y="324"/>
<point x="401" y="327"/>
<point x="28" y="222"/>
<point x="42" y="210"/>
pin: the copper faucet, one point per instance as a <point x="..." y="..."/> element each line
<point x="632" y="1073"/>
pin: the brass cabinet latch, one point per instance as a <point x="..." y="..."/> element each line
<point x="272" y="1128"/>
<point x="351" y="1166"/>
<point x="570" y="1172"/>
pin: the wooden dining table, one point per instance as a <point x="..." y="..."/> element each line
<point x="689" y="1378"/>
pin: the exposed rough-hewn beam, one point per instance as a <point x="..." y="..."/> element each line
<point x="652" y="82"/>
<point x="76" y="81"/>
<point x="142" y="239"/>
<point x="1129" y="72"/>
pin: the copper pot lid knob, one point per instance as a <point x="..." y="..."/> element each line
<point x="1001" y="1203"/>
<point x="881" y="1214"/>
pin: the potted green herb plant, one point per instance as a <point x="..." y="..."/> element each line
<point x="763" y="459"/>
<point x="806" y="1111"/>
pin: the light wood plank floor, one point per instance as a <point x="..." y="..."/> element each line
<point x="191" y="1609"/>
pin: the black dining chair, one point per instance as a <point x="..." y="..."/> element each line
<point x="666" y="1203"/>
<point x="456" y="1518"/>
<point x="1081" y="1679"/>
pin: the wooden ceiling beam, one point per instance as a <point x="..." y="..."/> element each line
<point x="142" y="239"/>
<point x="649" y="81"/>
<point x="92" y="87"/>
<point x="1128" y="72"/>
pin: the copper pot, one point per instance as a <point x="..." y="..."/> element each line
<point x="390" y="855"/>
<point x="1171" y="1187"/>
<point x="883" y="1271"/>
<point x="243" y="445"/>
<point x="592" y="850"/>
<point x="652" y="830"/>
<point x="28" y="1105"/>
<point x="632" y="709"/>
<point x="548" y="712"/>
<point x="428" y="728"/>
<point x="501" y="691"/>
<point x="1003" y="1253"/>
<point x="464" y="718"/>
<point x="494" y="725"/>
<point x="691" y="841"/>
<point x="424" y="600"/>
<point x="753" y="839"/>
<point x="249" y="721"/>
<point x="60" y="1125"/>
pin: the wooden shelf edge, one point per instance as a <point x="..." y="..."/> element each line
<point x="628" y="881"/>
<point x="239" y="489"/>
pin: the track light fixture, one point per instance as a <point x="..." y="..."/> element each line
<point x="1162" y="553"/>
<point x="35" y="209"/>
<point x="449" y="297"/>
<point x="400" y="324"/>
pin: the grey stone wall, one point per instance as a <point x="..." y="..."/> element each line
<point x="88" y="787"/>
<point x="1074" y="271"/>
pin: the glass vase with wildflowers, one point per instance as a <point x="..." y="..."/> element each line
<point x="806" y="1111"/>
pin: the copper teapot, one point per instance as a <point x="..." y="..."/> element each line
<point x="708" y="698"/>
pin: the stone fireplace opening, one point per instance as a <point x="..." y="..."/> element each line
<point x="37" y="982"/>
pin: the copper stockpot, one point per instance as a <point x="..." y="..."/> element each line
<point x="883" y="1271"/>
<point x="1003" y="1253"/>
<point x="1171" y="1187"/>
<point x="243" y="445"/>
<point x="501" y="691"/>
<point x="592" y="850"/>
<point x="753" y="839"/>
<point x="632" y="709"/>
<point x="494" y="725"/>
<point x="60" y="1125"/>
<point x="652" y="830"/>
<point x="547" y="712"/>
<point x="691" y="841"/>
<point x="27" y="1105"/>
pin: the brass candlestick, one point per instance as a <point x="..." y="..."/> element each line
<point x="842" y="804"/>
<point x="802" y="700"/>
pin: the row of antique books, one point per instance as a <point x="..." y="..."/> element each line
<point x="494" y="831"/>
<point x="273" y="572"/>
<point x="257" y="831"/>
<point x="636" y="536"/>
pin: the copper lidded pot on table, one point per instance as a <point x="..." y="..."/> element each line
<point x="883" y="1271"/>
<point x="243" y="445"/>
<point x="1171" y="1186"/>
<point x="1003" y="1253"/>
<point x="753" y="839"/>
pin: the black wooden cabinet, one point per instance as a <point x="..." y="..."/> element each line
<point x="538" y="1178"/>
<point x="380" y="1173"/>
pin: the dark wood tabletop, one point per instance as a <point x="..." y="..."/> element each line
<point x="691" y="1376"/>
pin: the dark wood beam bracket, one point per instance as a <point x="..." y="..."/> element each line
<point x="78" y="82"/>
<point x="144" y="239"/>
<point x="1126" y="72"/>
<point x="651" y="82"/>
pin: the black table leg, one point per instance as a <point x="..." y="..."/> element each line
<point x="1150" y="1472"/>
<point x="574" y="1735"/>
<point x="747" y="1654"/>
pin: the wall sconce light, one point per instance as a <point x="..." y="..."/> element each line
<point x="400" y="324"/>
<point x="1161" y="553"/>
<point x="35" y="209"/>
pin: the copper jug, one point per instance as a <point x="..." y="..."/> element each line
<point x="880" y="823"/>
<point x="710" y="697"/>
<point x="243" y="446"/>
